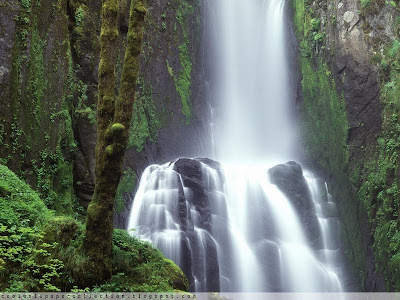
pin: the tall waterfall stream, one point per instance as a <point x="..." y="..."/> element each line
<point x="243" y="225"/>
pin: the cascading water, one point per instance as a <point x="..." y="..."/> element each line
<point x="242" y="226"/>
<point x="221" y="224"/>
<point x="253" y="87"/>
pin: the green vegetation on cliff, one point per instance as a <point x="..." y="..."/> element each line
<point x="145" y="123"/>
<point x="367" y="184"/>
<point x="126" y="185"/>
<point x="184" y="79"/>
<point x="37" y="138"/>
<point x="325" y="126"/>
<point x="379" y="177"/>
<point x="324" y="123"/>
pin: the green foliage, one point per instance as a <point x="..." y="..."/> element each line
<point x="325" y="125"/>
<point x="126" y="185"/>
<point x="324" y="116"/>
<point x="145" y="123"/>
<point x="19" y="204"/>
<point x="184" y="79"/>
<point x="87" y="113"/>
<point x="24" y="253"/>
<point x="38" y="81"/>
<point x="41" y="252"/>
<point x="80" y="16"/>
<point x="82" y="110"/>
<point x="365" y="3"/>
<point x="36" y="141"/>
<point x="25" y="259"/>
<point x="315" y="24"/>
<point x="140" y="268"/>
<point x="394" y="50"/>
<point x="379" y="189"/>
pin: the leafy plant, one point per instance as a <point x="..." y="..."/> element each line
<point x="365" y="3"/>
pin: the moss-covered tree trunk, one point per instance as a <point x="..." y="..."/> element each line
<point x="114" y="113"/>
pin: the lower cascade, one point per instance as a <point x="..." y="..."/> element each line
<point x="235" y="228"/>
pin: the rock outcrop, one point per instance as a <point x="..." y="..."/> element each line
<point x="49" y="56"/>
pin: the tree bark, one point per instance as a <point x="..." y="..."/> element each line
<point x="114" y="114"/>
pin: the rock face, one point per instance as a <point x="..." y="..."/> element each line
<point x="290" y="180"/>
<point x="49" y="56"/>
<point x="352" y="46"/>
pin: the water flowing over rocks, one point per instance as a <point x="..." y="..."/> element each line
<point x="240" y="228"/>
<point x="290" y="180"/>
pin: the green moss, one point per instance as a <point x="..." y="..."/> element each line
<point x="38" y="81"/>
<point x="145" y="123"/>
<point x="324" y="118"/>
<point x="37" y="135"/>
<point x="365" y="3"/>
<point x="379" y="185"/>
<point x="375" y="174"/>
<point x="109" y="150"/>
<point x="169" y="68"/>
<point x="20" y="205"/>
<point x="325" y="129"/>
<point x="394" y="50"/>
<point x="141" y="268"/>
<point x="42" y="252"/>
<point x="183" y="80"/>
<point x="87" y="113"/>
<point x="117" y="128"/>
<point x="126" y="185"/>
<point x="178" y="278"/>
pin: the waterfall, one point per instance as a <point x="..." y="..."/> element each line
<point x="253" y="86"/>
<point x="245" y="225"/>
<point x="220" y="223"/>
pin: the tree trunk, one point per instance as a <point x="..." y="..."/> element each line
<point x="114" y="116"/>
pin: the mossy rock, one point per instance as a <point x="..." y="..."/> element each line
<point x="178" y="278"/>
<point x="19" y="204"/>
<point x="62" y="230"/>
<point x="146" y="269"/>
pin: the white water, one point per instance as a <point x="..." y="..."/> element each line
<point x="240" y="233"/>
<point x="253" y="81"/>
<point x="251" y="219"/>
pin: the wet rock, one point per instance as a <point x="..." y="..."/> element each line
<point x="200" y="258"/>
<point x="268" y="254"/>
<point x="190" y="168"/>
<point x="289" y="179"/>
<point x="178" y="278"/>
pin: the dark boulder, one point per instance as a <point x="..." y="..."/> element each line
<point x="289" y="179"/>
<point x="191" y="174"/>
<point x="200" y="249"/>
